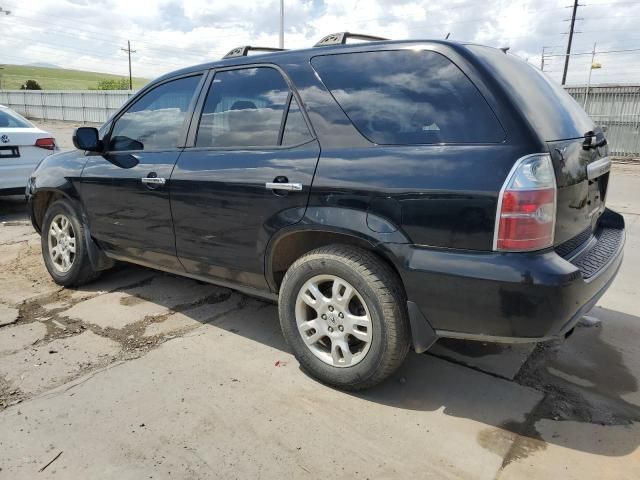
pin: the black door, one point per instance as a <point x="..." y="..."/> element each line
<point x="126" y="189"/>
<point x="248" y="174"/>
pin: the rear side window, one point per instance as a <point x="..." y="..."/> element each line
<point x="9" y="119"/>
<point x="244" y="108"/>
<point x="155" y="121"/>
<point x="408" y="97"/>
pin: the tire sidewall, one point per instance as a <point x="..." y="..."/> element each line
<point x="340" y="376"/>
<point x="66" y="208"/>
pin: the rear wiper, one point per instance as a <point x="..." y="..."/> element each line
<point x="589" y="141"/>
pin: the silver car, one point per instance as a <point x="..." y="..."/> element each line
<point x="22" y="146"/>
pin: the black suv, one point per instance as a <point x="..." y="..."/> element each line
<point x="385" y="193"/>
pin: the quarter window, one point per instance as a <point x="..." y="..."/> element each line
<point x="295" y="128"/>
<point x="156" y="120"/>
<point x="408" y="97"/>
<point x="244" y="108"/>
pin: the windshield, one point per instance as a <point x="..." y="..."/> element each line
<point x="552" y="112"/>
<point x="10" y="119"/>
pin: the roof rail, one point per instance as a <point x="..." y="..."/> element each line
<point x="340" y="38"/>
<point x="244" y="51"/>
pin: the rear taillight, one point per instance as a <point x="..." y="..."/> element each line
<point x="48" y="143"/>
<point x="526" y="215"/>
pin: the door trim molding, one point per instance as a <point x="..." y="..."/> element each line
<point x="251" y="291"/>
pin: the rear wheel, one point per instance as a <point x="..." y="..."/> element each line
<point x="63" y="245"/>
<point x="342" y="312"/>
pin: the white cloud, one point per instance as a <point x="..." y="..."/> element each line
<point x="168" y="34"/>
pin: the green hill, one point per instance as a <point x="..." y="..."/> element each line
<point x="12" y="76"/>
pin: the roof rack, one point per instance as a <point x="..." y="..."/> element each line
<point x="244" y="51"/>
<point x="340" y="38"/>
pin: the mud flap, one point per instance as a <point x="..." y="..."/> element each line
<point x="99" y="260"/>
<point x="422" y="334"/>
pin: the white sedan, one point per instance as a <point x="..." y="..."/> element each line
<point x="22" y="146"/>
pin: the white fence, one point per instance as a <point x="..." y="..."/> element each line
<point x="616" y="107"/>
<point x="93" y="106"/>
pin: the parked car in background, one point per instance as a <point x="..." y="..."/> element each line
<point x="22" y="147"/>
<point x="386" y="194"/>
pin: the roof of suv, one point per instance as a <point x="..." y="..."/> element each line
<point x="310" y="52"/>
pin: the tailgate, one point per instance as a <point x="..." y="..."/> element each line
<point x="582" y="176"/>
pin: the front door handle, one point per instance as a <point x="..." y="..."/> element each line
<point x="289" y="187"/>
<point x="153" y="181"/>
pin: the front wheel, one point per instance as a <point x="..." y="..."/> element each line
<point x="342" y="311"/>
<point x="63" y="245"/>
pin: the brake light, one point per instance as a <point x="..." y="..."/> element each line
<point x="47" y="143"/>
<point x="526" y="214"/>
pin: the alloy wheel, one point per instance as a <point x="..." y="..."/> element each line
<point x="62" y="243"/>
<point x="333" y="320"/>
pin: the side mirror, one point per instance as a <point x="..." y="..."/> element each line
<point x="86" y="138"/>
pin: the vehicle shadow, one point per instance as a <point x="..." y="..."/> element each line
<point x="13" y="208"/>
<point x="584" y="381"/>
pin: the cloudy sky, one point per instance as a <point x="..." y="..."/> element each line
<point x="169" y="34"/>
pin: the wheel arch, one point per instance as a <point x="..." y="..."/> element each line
<point x="40" y="200"/>
<point x="43" y="198"/>
<point x="323" y="226"/>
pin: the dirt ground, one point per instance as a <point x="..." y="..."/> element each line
<point x="147" y="375"/>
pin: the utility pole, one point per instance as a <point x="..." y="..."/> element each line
<point x="6" y="12"/>
<point x="281" y="23"/>
<point x="544" y="51"/>
<point x="571" y="30"/>
<point x="129" y="52"/>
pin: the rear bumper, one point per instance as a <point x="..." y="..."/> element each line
<point x="511" y="297"/>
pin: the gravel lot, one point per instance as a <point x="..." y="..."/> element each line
<point x="147" y="375"/>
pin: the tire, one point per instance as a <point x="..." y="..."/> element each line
<point x="77" y="271"/>
<point x="344" y="350"/>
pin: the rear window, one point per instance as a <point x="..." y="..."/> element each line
<point x="9" y="119"/>
<point x="553" y="113"/>
<point x="404" y="97"/>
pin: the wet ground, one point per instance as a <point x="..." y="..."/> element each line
<point x="148" y="375"/>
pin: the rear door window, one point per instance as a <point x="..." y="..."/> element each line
<point x="408" y="97"/>
<point x="244" y="108"/>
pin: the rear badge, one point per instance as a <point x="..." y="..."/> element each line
<point x="4" y="138"/>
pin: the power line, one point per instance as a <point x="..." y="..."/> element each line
<point x="589" y="53"/>
<point x="91" y="53"/>
<point x="99" y="36"/>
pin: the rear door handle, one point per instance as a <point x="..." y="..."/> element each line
<point x="153" y="181"/>
<point x="289" y="187"/>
